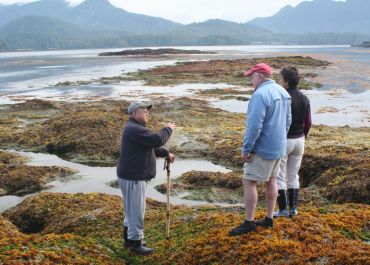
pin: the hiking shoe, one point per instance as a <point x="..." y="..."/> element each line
<point x="244" y="228"/>
<point x="266" y="222"/>
<point x="293" y="212"/>
<point x="281" y="213"/>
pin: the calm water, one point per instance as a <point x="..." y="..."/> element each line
<point x="343" y="99"/>
<point x="32" y="71"/>
<point x="97" y="179"/>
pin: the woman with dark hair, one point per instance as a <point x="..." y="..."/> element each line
<point x="288" y="179"/>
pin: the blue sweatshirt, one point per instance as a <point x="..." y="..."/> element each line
<point x="268" y="121"/>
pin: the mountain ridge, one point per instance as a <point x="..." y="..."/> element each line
<point x="320" y="16"/>
<point x="90" y="15"/>
<point x="101" y="24"/>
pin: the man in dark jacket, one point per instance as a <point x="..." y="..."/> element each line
<point x="136" y="166"/>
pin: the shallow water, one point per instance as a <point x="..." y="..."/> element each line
<point x="334" y="107"/>
<point x="43" y="77"/>
<point x="25" y="75"/>
<point x="97" y="179"/>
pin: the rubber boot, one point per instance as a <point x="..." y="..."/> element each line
<point x="293" y="200"/>
<point x="140" y="249"/>
<point x="282" y="202"/>
<point x="128" y="242"/>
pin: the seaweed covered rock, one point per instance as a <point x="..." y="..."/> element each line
<point x="79" y="213"/>
<point x="217" y="187"/>
<point x="18" y="248"/>
<point x="338" y="161"/>
<point x="221" y="71"/>
<point x="16" y="178"/>
<point x="92" y="132"/>
<point x="146" y="52"/>
<point x="231" y="180"/>
<point x="198" y="235"/>
<point x="34" y="104"/>
<point x="94" y="214"/>
<point x="86" y="133"/>
<point x="7" y="229"/>
<point x="311" y="237"/>
<point x="211" y="186"/>
<point x="214" y="187"/>
<point x="9" y="158"/>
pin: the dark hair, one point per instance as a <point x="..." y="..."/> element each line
<point x="290" y="75"/>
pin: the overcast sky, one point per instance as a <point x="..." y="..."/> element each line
<point x="187" y="11"/>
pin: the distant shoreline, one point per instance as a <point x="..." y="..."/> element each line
<point x="146" y="52"/>
<point x="177" y="46"/>
<point x="365" y="44"/>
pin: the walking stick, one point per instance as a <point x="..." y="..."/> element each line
<point x="167" y="167"/>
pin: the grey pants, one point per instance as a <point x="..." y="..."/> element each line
<point x="134" y="203"/>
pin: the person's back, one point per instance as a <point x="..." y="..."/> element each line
<point x="267" y="112"/>
<point x="288" y="178"/>
<point x="300" y="112"/>
<point x="264" y="144"/>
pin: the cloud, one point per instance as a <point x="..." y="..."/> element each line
<point x="187" y="11"/>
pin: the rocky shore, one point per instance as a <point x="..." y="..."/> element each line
<point x="56" y="228"/>
<point x="336" y="158"/>
<point x="223" y="71"/>
<point x="212" y="71"/>
<point x="87" y="228"/>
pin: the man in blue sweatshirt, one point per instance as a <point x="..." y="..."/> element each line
<point x="136" y="166"/>
<point x="264" y="144"/>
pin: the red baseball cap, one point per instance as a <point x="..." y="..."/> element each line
<point x="261" y="68"/>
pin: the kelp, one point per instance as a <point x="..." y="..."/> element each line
<point x="217" y="187"/>
<point x="332" y="234"/>
<point x="223" y="71"/>
<point x="336" y="159"/>
<point x="74" y="131"/>
<point x="18" y="248"/>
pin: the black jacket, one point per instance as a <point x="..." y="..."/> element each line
<point x="301" y="114"/>
<point x="139" y="148"/>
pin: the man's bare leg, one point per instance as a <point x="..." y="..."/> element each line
<point x="250" y="198"/>
<point x="271" y="196"/>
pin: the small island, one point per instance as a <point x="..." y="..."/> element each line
<point x="155" y="52"/>
<point x="365" y="44"/>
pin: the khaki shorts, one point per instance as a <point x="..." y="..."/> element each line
<point x="260" y="169"/>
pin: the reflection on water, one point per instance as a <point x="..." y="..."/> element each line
<point x="334" y="108"/>
<point x="133" y="90"/>
<point x="24" y="70"/>
<point x="34" y="74"/>
<point x="42" y="77"/>
<point x="96" y="179"/>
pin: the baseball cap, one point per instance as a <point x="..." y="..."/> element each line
<point x="261" y="68"/>
<point x="138" y="105"/>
